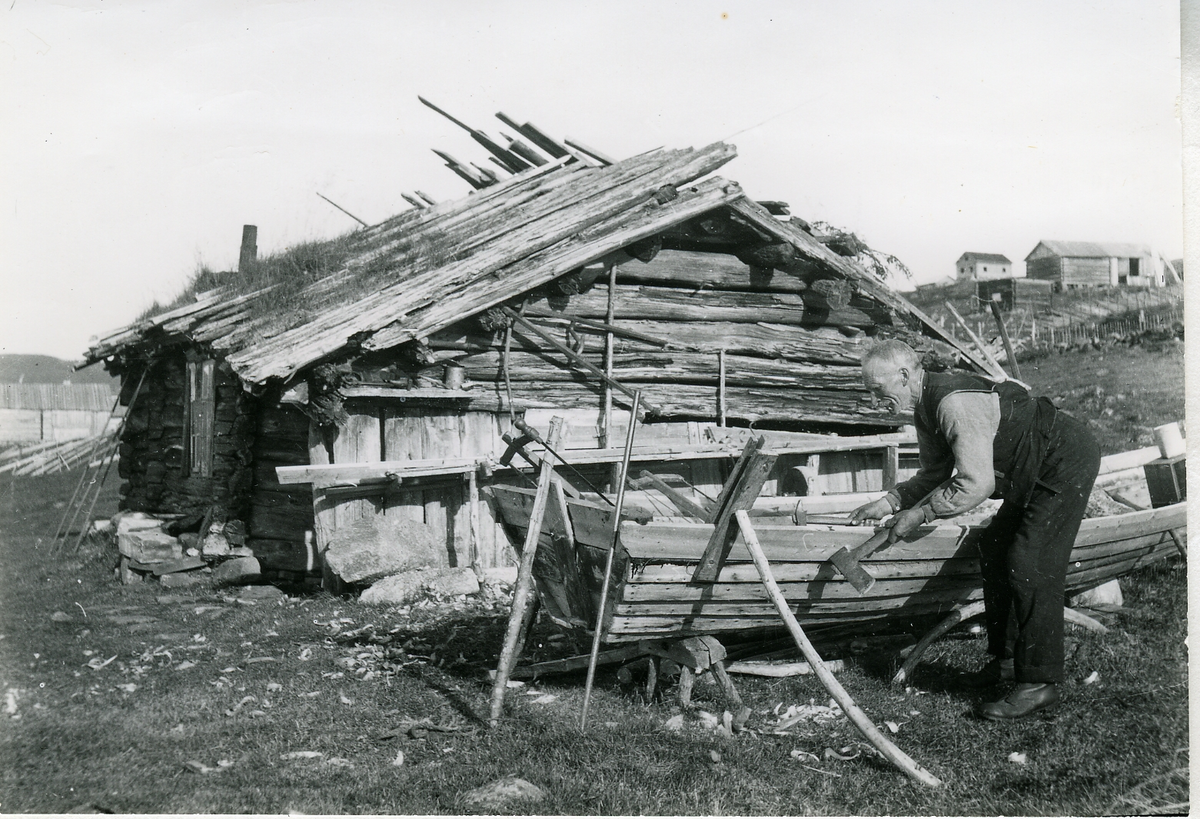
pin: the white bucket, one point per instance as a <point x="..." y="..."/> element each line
<point x="1169" y="440"/>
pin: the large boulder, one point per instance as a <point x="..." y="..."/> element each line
<point x="239" y="571"/>
<point x="453" y="582"/>
<point x="370" y="550"/>
<point x="399" y="589"/>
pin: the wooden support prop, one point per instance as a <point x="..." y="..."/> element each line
<point x="993" y="366"/>
<point x="891" y="466"/>
<point x="951" y="620"/>
<point x="1178" y="544"/>
<point x="744" y="488"/>
<point x="572" y="355"/>
<point x="1008" y="348"/>
<point x="720" y="388"/>
<point x="608" y="562"/>
<point x="861" y="721"/>
<point x="473" y="500"/>
<point x="521" y="594"/>
<point x="610" y="329"/>
<point x="751" y="448"/>
<point x="609" y="349"/>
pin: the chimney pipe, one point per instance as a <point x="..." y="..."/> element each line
<point x="249" y="253"/>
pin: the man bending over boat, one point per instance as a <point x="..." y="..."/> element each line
<point x="981" y="439"/>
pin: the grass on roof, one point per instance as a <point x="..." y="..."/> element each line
<point x="283" y="277"/>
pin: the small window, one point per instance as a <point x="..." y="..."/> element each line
<point x="199" y="411"/>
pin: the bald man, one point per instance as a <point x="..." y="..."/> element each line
<point x="981" y="439"/>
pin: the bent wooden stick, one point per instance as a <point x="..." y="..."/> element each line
<point x="861" y="721"/>
<point x="524" y="576"/>
<point x="951" y="620"/>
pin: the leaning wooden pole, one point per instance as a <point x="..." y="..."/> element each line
<point x="1008" y="348"/>
<point x="608" y="560"/>
<point x="521" y="595"/>
<point x="861" y="721"/>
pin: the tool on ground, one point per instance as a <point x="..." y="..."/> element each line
<point x="847" y="560"/>
<point x="861" y="721"/>
<point x="608" y="560"/>
<point x="521" y="594"/>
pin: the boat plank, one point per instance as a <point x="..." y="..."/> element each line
<point x="686" y="541"/>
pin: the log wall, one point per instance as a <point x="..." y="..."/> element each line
<point x="280" y="516"/>
<point x="152" y="446"/>
<point x="791" y="346"/>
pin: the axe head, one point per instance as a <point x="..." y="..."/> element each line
<point x="848" y="565"/>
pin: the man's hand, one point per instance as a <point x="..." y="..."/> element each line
<point x="904" y="523"/>
<point x="875" y="510"/>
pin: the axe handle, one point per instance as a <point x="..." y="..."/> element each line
<point x="869" y="547"/>
<point x="880" y="538"/>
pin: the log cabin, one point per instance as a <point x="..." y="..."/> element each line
<point x="386" y="376"/>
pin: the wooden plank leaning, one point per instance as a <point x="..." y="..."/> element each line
<point x="861" y="721"/>
<point x="739" y="493"/>
<point x="522" y="592"/>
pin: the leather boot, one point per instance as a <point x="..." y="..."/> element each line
<point x="1025" y="699"/>
<point x="995" y="672"/>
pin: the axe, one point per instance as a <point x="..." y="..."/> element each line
<point x="847" y="560"/>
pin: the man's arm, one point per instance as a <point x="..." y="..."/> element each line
<point x="937" y="462"/>
<point x="970" y="421"/>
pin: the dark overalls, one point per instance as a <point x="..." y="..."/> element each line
<point x="1045" y="463"/>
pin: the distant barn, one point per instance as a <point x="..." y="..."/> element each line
<point x="1070" y="265"/>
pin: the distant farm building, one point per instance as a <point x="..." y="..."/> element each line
<point x="1094" y="264"/>
<point x="981" y="266"/>
<point x="53" y="412"/>
<point x="1013" y="293"/>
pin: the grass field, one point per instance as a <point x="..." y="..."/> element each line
<point x="143" y="699"/>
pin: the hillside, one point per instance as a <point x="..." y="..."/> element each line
<point x="46" y="369"/>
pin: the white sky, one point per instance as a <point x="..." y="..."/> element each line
<point x="138" y="137"/>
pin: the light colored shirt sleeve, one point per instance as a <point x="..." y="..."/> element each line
<point x="969" y="421"/>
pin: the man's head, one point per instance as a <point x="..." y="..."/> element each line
<point x="892" y="374"/>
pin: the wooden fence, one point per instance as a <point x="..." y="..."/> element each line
<point x="1040" y="332"/>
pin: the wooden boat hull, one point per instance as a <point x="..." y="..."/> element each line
<point x="926" y="576"/>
